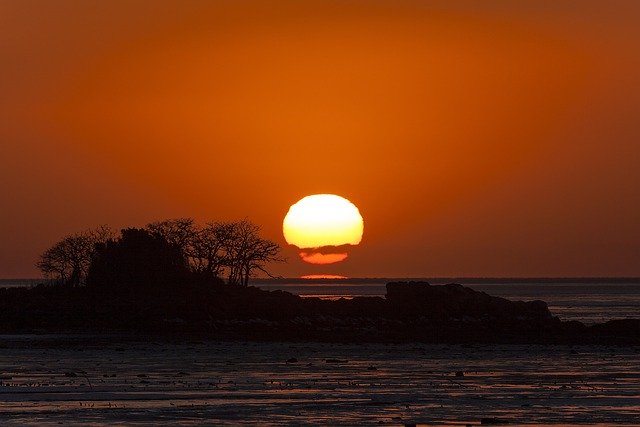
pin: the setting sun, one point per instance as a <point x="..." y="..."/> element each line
<point x="323" y="220"/>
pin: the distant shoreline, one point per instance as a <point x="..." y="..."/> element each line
<point x="461" y="280"/>
<point x="13" y="282"/>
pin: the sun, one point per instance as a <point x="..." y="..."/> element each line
<point x="322" y="220"/>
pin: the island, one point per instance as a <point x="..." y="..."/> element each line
<point x="410" y="312"/>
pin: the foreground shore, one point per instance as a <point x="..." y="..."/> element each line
<point x="86" y="379"/>
<point x="410" y="312"/>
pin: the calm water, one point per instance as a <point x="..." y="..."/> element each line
<point x="12" y="283"/>
<point x="586" y="302"/>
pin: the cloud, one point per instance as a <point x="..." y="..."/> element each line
<point x="320" y="258"/>
<point x="325" y="254"/>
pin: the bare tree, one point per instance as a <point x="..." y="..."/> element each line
<point x="248" y="252"/>
<point x="179" y="232"/>
<point x="102" y="234"/>
<point x="208" y="249"/>
<point x="218" y="246"/>
<point x="54" y="263"/>
<point x="68" y="260"/>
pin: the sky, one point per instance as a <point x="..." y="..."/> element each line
<point x="492" y="138"/>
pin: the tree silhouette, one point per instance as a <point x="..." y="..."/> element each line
<point x="208" y="253"/>
<point x="218" y="246"/>
<point x="180" y="232"/>
<point x="160" y="254"/>
<point x="248" y="252"/>
<point x="138" y="264"/>
<point x="67" y="262"/>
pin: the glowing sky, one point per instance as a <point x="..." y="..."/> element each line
<point x="476" y="138"/>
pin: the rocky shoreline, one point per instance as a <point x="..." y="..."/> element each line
<point x="411" y="312"/>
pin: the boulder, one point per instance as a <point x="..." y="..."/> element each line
<point x="456" y="302"/>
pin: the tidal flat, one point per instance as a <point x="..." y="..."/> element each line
<point x="60" y="379"/>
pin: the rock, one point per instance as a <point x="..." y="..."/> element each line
<point x="410" y="312"/>
<point x="619" y="328"/>
<point x="453" y="301"/>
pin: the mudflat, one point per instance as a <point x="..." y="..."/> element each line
<point x="67" y="379"/>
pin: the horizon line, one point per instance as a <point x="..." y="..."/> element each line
<point x="460" y="278"/>
<point x="417" y="278"/>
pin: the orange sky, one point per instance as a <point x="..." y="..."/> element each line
<point x="477" y="139"/>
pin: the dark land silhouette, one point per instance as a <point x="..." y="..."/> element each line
<point x="411" y="311"/>
<point x="159" y="254"/>
<point x="166" y="279"/>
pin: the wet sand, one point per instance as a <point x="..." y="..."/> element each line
<point x="52" y="380"/>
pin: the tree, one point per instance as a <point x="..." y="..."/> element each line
<point x="208" y="250"/>
<point x="155" y="253"/>
<point x="248" y="252"/>
<point x="138" y="264"/>
<point x="67" y="261"/>
<point x="180" y="232"/>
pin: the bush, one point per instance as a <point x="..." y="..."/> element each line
<point x="138" y="266"/>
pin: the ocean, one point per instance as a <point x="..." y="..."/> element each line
<point x="588" y="301"/>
